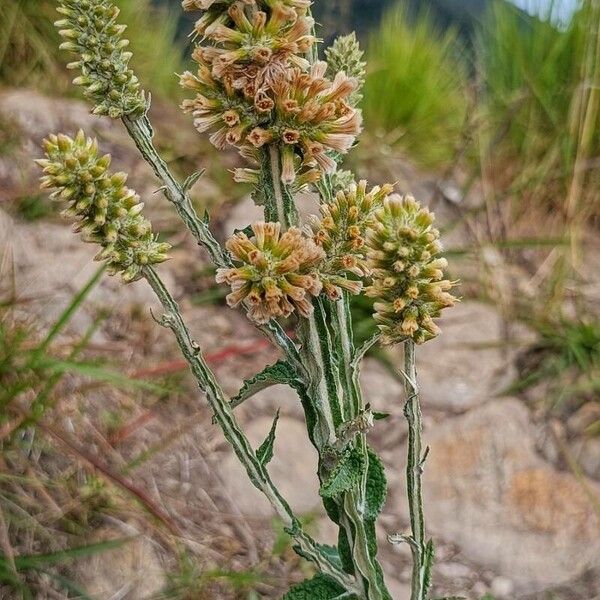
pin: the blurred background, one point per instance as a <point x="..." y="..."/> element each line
<point x="114" y="484"/>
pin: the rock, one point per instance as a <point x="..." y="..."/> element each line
<point x="469" y="363"/>
<point x="293" y="469"/>
<point x="453" y="570"/>
<point x="132" y="571"/>
<point x="397" y="589"/>
<point x="588" y="414"/>
<point x="51" y="264"/>
<point x="502" y="587"/>
<point x="586" y="452"/>
<point x="489" y="492"/>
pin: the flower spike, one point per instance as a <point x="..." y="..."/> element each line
<point x="408" y="274"/>
<point x="106" y="212"/>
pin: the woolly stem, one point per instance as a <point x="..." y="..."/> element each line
<point x="140" y="130"/>
<point x="223" y="414"/>
<point x="414" y="472"/>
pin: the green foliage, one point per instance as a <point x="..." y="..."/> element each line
<point x="533" y="106"/>
<point x="319" y="587"/>
<point x="376" y="487"/>
<point x="265" y="451"/>
<point x="29" y="52"/>
<point x="10" y="570"/>
<point x="345" y="475"/>
<point x="278" y="373"/>
<point x="567" y="356"/>
<point x="415" y="86"/>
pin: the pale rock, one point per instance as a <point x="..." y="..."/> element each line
<point x="132" y="571"/>
<point x="586" y="452"/>
<point x="293" y="469"/>
<point x="469" y="362"/>
<point x="51" y="264"/>
<point x="489" y="492"/>
<point x="502" y="587"/>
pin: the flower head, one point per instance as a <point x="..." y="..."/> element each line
<point x="91" y="31"/>
<point x="407" y="273"/>
<point x="341" y="232"/>
<point x="106" y="211"/>
<point x="255" y="87"/>
<point x="276" y="272"/>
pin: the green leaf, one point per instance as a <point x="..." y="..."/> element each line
<point x="97" y="373"/>
<point x="280" y="372"/>
<point x="320" y="587"/>
<point x="331" y="552"/>
<point x="189" y="183"/>
<point x="378" y="416"/>
<point x="345" y="475"/>
<point x="376" y="486"/>
<point x="428" y="559"/>
<point x="265" y="451"/>
<point x="38" y="561"/>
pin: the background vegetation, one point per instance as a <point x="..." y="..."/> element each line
<point x="501" y="111"/>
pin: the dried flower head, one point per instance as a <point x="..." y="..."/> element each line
<point x="345" y="56"/>
<point x="408" y="275"/>
<point x="91" y="31"/>
<point x="106" y="211"/>
<point x="255" y="87"/>
<point x="341" y="233"/>
<point x="276" y="273"/>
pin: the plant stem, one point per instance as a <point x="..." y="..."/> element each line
<point x="414" y="471"/>
<point x="140" y="130"/>
<point x="142" y="133"/>
<point x="235" y="436"/>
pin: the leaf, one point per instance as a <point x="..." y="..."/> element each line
<point x="280" y="372"/>
<point x="248" y="231"/>
<point x="189" y="183"/>
<point x="379" y="416"/>
<point x="331" y="552"/>
<point x="376" y="486"/>
<point x="428" y="559"/>
<point x="265" y="451"/>
<point x="97" y="373"/>
<point x="39" y="561"/>
<point x="320" y="587"/>
<point x="345" y="475"/>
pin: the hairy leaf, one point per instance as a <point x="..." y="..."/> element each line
<point x="345" y="475"/>
<point x="265" y="451"/>
<point x="428" y="559"/>
<point x="280" y="372"/>
<point x="320" y="587"/>
<point x="376" y="486"/>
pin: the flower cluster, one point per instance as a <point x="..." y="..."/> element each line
<point x="276" y="273"/>
<point x="254" y="85"/>
<point x="106" y="211"/>
<point x="341" y="233"/>
<point x="91" y="31"/>
<point x="407" y="276"/>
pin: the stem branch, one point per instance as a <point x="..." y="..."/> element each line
<point x="414" y="471"/>
<point x="236" y="437"/>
